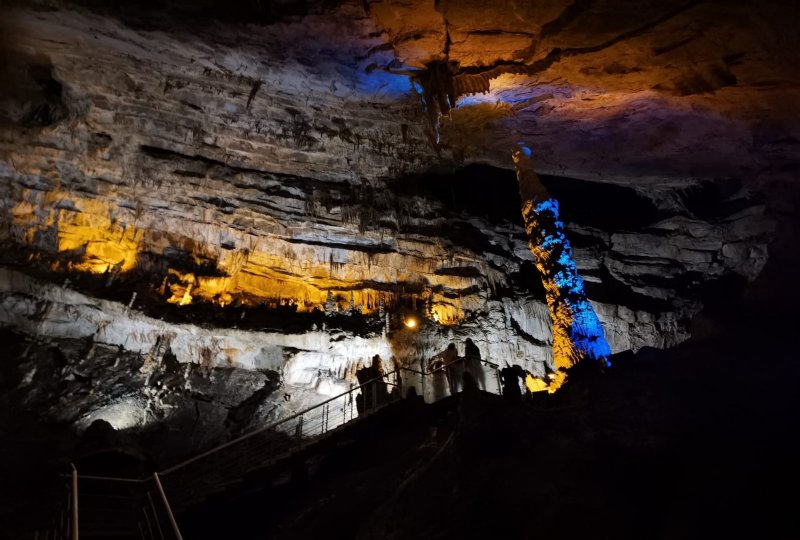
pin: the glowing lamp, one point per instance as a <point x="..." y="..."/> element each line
<point x="410" y="322"/>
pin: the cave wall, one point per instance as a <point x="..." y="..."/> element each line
<point x="244" y="166"/>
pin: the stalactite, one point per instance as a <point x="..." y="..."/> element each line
<point x="577" y="333"/>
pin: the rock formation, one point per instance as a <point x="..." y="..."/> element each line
<point x="245" y="173"/>
<point x="577" y="333"/>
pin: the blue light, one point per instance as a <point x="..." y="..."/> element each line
<point x="570" y="308"/>
<point x="475" y="99"/>
<point x="379" y="83"/>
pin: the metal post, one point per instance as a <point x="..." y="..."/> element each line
<point x="155" y="515"/>
<point x="147" y="520"/>
<point x="166" y="505"/>
<point x="349" y="403"/>
<point x="298" y="431"/>
<point x="75" y="532"/>
<point x="399" y="381"/>
<point x="63" y="521"/>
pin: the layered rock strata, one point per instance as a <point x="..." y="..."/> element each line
<point x="247" y="167"/>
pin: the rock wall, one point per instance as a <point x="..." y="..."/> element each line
<point x="309" y="366"/>
<point x="237" y="168"/>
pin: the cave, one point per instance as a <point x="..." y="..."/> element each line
<point x="399" y="269"/>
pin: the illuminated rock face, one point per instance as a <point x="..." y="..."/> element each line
<point x="577" y="333"/>
<point x="239" y="166"/>
<point x="653" y="92"/>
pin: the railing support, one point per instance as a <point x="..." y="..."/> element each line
<point x="75" y="531"/>
<point x="166" y="506"/>
<point x="147" y="521"/>
<point x="350" y="401"/>
<point x="424" y="397"/>
<point x="298" y="430"/>
<point x="369" y="406"/>
<point x="155" y="515"/>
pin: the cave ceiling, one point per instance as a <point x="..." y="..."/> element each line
<point x="657" y="90"/>
<point x="612" y="87"/>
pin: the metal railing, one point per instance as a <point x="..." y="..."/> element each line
<point x="101" y="507"/>
<point x="229" y="463"/>
<point x="438" y="383"/>
<point x="211" y="471"/>
<point x="178" y="487"/>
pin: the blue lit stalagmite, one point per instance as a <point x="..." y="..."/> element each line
<point x="577" y="333"/>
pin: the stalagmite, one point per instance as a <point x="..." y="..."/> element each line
<point x="577" y="333"/>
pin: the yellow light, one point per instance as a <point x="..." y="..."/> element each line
<point x="535" y="384"/>
<point x="411" y="322"/>
<point x="187" y="297"/>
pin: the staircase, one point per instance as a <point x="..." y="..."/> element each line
<point x="143" y="509"/>
<point x="112" y="509"/>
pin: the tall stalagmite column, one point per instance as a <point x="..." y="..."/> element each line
<point x="577" y="333"/>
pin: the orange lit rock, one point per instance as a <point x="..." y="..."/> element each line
<point x="267" y="163"/>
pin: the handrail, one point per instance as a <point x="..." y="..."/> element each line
<point x="272" y="425"/>
<point x="306" y="411"/>
<point x="170" y="515"/>
<point x="309" y="409"/>
<point x="456" y="361"/>
<point x="108" y="478"/>
<point x="288" y="419"/>
<point x="495" y="366"/>
<point x="399" y="383"/>
<point x="73" y="526"/>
